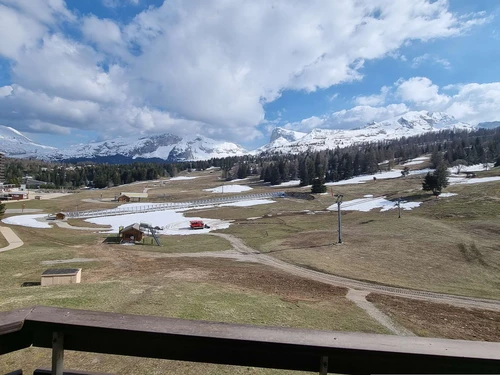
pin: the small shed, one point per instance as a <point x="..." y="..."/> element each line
<point x="60" y="216"/>
<point x="131" y="233"/>
<point x="123" y="198"/>
<point x="59" y="276"/>
<point x="134" y="196"/>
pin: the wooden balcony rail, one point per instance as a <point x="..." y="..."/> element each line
<point x="237" y="344"/>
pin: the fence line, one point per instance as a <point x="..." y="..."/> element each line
<point x="170" y="206"/>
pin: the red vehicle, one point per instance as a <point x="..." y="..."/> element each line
<point x="196" y="224"/>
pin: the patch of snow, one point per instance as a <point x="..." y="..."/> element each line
<point x="446" y="195"/>
<point x="248" y="203"/>
<point x="288" y="183"/>
<point x="368" y="204"/>
<point x="368" y="196"/>
<point x="172" y="222"/>
<point x="28" y="221"/>
<point x="476" y="180"/>
<point x="416" y="161"/>
<point x="395" y="173"/>
<point x="471" y="168"/>
<point x="181" y="178"/>
<point x="229" y="189"/>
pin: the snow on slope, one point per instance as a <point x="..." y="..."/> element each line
<point x="15" y="144"/>
<point x="409" y="124"/>
<point x="173" y="148"/>
<point x="202" y="148"/>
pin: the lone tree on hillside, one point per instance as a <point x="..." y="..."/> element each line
<point x="458" y="165"/>
<point x="437" y="180"/>
<point x="318" y="186"/>
<point x="2" y="208"/>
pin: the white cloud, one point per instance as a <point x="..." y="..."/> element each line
<point x="43" y="127"/>
<point x="428" y="58"/>
<point x="17" y="32"/>
<point x="421" y="92"/>
<point x="67" y="69"/>
<point x="5" y="91"/>
<point x="472" y="103"/>
<point x="476" y="103"/>
<point x="206" y="65"/>
<point x="349" y="118"/>
<point x="373" y="100"/>
<point x="117" y="3"/>
<point x="44" y="11"/>
<point x="104" y="32"/>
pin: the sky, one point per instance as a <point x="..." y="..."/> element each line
<point x="77" y="71"/>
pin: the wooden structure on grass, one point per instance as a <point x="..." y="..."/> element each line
<point x="60" y="216"/>
<point x="131" y="233"/>
<point x="59" y="276"/>
<point x="127" y="197"/>
<point x="323" y="352"/>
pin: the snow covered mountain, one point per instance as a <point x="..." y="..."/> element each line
<point x="167" y="147"/>
<point x="16" y="145"/>
<point x="172" y="148"/>
<point x="407" y="125"/>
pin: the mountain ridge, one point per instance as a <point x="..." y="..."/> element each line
<point x="172" y="148"/>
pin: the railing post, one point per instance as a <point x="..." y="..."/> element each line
<point x="57" y="353"/>
<point x="323" y="365"/>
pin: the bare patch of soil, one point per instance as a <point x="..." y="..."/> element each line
<point x="128" y="265"/>
<point x="434" y="319"/>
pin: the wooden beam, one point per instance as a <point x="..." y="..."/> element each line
<point x="12" y="335"/>
<point x="272" y="347"/>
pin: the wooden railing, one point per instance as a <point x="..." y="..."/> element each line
<point x="236" y="344"/>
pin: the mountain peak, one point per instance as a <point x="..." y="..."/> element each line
<point x="287" y="134"/>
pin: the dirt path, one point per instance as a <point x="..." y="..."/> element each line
<point x="12" y="238"/>
<point x="63" y="224"/>
<point x="359" y="298"/>
<point x="250" y="255"/>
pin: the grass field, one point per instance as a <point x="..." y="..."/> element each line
<point x="446" y="245"/>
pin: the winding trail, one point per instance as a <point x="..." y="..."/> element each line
<point x="12" y="238"/>
<point x="252" y="255"/>
<point x="359" y="298"/>
<point x="64" y="224"/>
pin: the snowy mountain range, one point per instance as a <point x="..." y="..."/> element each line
<point x="172" y="148"/>
<point x="407" y="125"/>
<point x="167" y="147"/>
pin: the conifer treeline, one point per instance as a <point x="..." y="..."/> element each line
<point x="475" y="147"/>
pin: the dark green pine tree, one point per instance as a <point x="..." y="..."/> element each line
<point x="318" y="186"/>
<point x="437" y="180"/>
<point x="275" y="175"/>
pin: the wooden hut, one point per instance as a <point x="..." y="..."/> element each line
<point x="58" y="276"/>
<point x="134" y="196"/>
<point x="132" y="233"/>
<point x="60" y="216"/>
<point x="123" y="198"/>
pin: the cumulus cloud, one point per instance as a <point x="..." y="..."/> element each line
<point x="373" y="100"/>
<point x="421" y="92"/>
<point x="104" y="32"/>
<point x="472" y="103"/>
<point x="208" y="65"/>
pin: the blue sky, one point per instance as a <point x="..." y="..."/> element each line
<point x="74" y="71"/>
